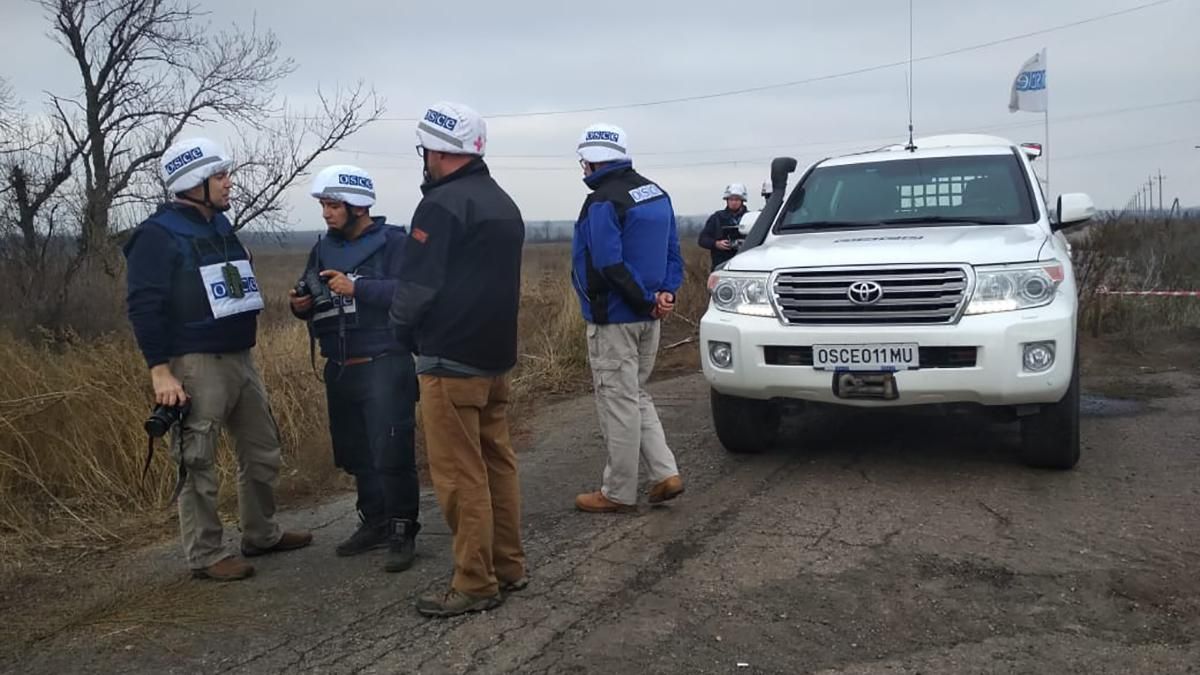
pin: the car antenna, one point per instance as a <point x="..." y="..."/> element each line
<point x="911" y="147"/>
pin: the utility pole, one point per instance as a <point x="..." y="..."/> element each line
<point x="1160" y="190"/>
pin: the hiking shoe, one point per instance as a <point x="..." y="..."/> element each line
<point x="368" y="537"/>
<point x="666" y="490"/>
<point x="402" y="544"/>
<point x="507" y="587"/>
<point x="232" y="568"/>
<point x="289" y="541"/>
<point x="596" y="502"/>
<point x="454" y="603"/>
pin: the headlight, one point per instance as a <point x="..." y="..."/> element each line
<point x="741" y="293"/>
<point x="1009" y="288"/>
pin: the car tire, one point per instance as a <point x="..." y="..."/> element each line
<point x="744" y="426"/>
<point x="1050" y="438"/>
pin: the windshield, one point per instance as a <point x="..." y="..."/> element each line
<point x="983" y="189"/>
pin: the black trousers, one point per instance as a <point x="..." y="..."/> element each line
<point x="372" y="424"/>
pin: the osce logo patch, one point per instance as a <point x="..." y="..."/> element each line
<point x="220" y="291"/>
<point x="645" y="192"/>
<point x="184" y="158"/>
<point x="603" y="136"/>
<point x="356" y="181"/>
<point x="444" y="121"/>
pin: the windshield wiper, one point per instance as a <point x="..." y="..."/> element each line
<point x="945" y="220"/>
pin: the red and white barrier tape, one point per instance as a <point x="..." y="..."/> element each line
<point x="1171" y="294"/>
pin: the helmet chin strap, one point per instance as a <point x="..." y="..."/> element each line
<point x="207" y="203"/>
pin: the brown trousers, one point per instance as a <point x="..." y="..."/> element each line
<point x="474" y="471"/>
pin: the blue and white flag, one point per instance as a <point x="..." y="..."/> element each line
<point x="1029" y="89"/>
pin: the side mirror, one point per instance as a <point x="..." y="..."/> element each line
<point x="747" y="222"/>
<point x="1073" y="208"/>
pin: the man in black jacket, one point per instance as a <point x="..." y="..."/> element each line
<point x="369" y="380"/>
<point x="457" y="302"/>
<point x="720" y="234"/>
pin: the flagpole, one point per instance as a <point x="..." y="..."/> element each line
<point x="1047" y="135"/>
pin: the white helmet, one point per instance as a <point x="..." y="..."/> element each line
<point x="601" y="143"/>
<point x="344" y="183"/>
<point x="767" y="189"/>
<point x="735" y="190"/>
<point x="190" y="162"/>
<point x="452" y="128"/>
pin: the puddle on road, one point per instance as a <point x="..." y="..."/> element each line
<point x="1098" y="405"/>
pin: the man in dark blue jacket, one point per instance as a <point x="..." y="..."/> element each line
<point x="720" y="234"/>
<point x="626" y="268"/>
<point x="193" y="302"/>
<point x="370" y="381"/>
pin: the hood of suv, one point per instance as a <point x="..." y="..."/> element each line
<point x="972" y="245"/>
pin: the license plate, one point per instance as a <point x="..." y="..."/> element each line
<point x="868" y="357"/>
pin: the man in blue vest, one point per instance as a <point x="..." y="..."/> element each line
<point x="626" y="268"/>
<point x="370" y="381"/>
<point x="193" y="302"/>
<point x="720" y="234"/>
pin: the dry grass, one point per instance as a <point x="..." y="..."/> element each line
<point x="72" y="445"/>
<point x="1137" y="255"/>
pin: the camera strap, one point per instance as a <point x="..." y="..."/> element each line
<point x="181" y="476"/>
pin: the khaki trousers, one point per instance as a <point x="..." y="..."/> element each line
<point x="622" y="357"/>
<point x="474" y="471"/>
<point x="226" y="392"/>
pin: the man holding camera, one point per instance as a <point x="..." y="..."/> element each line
<point x="370" y="384"/>
<point x="626" y="268"/>
<point x="457" y="302"/>
<point x="193" y="302"/>
<point x="720" y="234"/>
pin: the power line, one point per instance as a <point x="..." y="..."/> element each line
<point x="1130" y="148"/>
<point x="808" y="144"/>
<point x="814" y="79"/>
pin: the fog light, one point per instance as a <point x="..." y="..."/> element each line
<point x="721" y="354"/>
<point x="1039" y="356"/>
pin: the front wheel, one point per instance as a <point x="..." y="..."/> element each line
<point x="744" y="425"/>
<point x="1050" y="438"/>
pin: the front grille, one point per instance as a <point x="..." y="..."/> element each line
<point x="910" y="295"/>
<point x="931" y="357"/>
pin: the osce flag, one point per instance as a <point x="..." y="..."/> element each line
<point x="1029" y="89"/>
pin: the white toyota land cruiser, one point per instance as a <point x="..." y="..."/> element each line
<point x="903" y="276"/>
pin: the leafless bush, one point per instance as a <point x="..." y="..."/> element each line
<point x="1136" y="254"/>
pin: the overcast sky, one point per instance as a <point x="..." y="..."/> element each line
<point x="534" y="55"/>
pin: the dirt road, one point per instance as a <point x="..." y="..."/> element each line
<point x="870" y="544"/>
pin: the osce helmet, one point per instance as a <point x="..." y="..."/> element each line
<point x="191" y="161"/>
<point x="735" y="190"/>
<point x="601" y="143"/>
<point x="452" y="128"/>
<point x="344" y="183"/>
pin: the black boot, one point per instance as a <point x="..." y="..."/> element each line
<point x="370" y="535"/>
<point x="402" y="545"/>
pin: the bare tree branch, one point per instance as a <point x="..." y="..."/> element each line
<point x="149" y="70"/>
<point x="284" y="152"/>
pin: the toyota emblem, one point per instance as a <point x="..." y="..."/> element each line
<point x="865" y="292"/>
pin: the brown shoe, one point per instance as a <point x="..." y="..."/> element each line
<point x="666" y="490"/>
<point x="454" y="603"/>
<point x="596" y="502"/>
<point x="232" y="568"/>
<point x="290" y="541"/>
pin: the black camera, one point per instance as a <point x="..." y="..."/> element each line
<point x="163" y="417"/>
<point x="312" y="284"/>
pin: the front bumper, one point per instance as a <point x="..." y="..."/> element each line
<point x="997" y="377"/>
